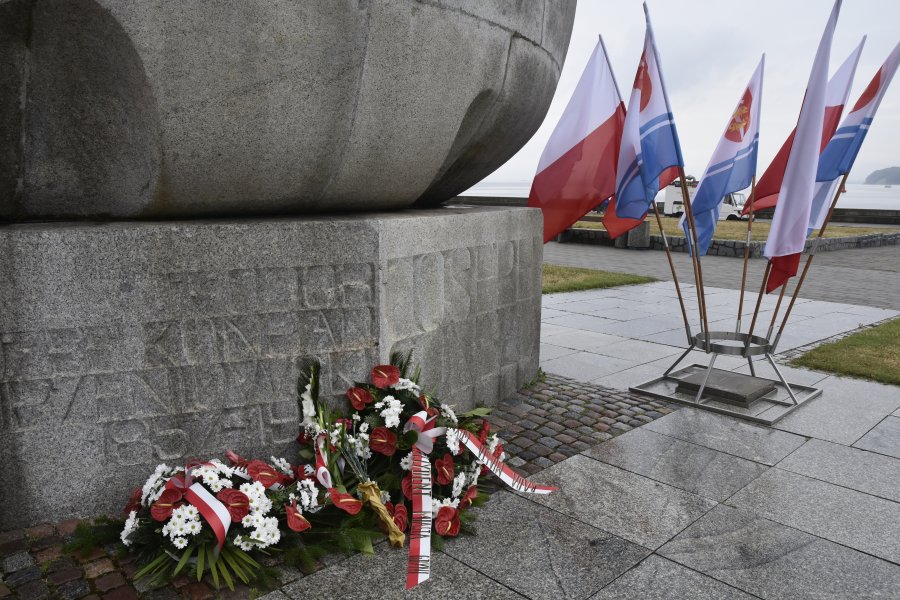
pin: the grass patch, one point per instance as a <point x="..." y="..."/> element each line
<point x="871" y="354"/>
<point x="573" y="279"/>
<point x="737" y="230"/>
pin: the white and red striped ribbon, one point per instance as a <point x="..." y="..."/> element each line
<point x="212" y="509"/>
<point x="322" y="472"/>
<point x="419" y="563"/>
<point x="497" y="466"/>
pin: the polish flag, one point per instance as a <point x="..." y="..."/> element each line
<point x="788" y="234"/>
<point x="838" y="157"/>
<point x="577" y="170"/>
<point x="837" y="92"/>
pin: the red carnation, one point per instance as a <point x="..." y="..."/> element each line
<point x="134" y="502"/>
<point x="384" y="376"/>
<point x="295" y="520"/>
<point x="485" y="429"/>
<point x="359" y="397"/>
<point x="263" y="473"/>
<point x="345" y="502"/>
<point x="469" y="497"/>
<point x="444" y="468"/>
<point x="383" y="441"/>
<point x="168" y="501"/>
<point x="406" y="486"/>
<point x="236" y="459"/>
<point x="447" y="521"/>
<point x="401" y="516"/>
<point x="237" y="503"/>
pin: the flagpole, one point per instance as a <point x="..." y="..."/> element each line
<point x="662" y="232"/>
<point x="695" y="258"/>
<point x="737" y="328"/>
<point x="762" y="290"/>
<point x="776" y="311"/>
<point x="809" y="258"/>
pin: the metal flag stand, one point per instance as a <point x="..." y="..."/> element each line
<point x="749" y="397"/>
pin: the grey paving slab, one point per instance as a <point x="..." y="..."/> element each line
<point x="792" y="374"/>
<point x="584" y="322"/>
<point x="657" y="578"/>
<point x="884" y="438"/>
<point x="541" y="553"/>
<point x="551" y="351"/>
<point x="548" y="330"/>
<point x="671" y="337"/>
<point x="383" y="575"/>
<point x="846" y="410"/>
<point x="839" y="514"/>
<point x="687" y="466"/>
<point x="739" y="438"/>
<point x="771" y="560"/>
<point x="548" y="312"/>
<point x="630" y="506"/>
<point x="585" y="366"/>
<point x="848" y="467"/>
<point x="588" y="341"/>
<point x="637" y="351"/>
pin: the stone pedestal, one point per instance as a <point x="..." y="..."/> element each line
<point x="128" y="344"/>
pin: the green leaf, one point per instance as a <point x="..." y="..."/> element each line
<point x="184" y="558"/>
<point x="235" y="565"/>
<point x="152" y="565"/>
<point x="223" y="568"/>
<point x="480" y="411"/>
<point x="201" y="560"/>
<point x="246" y="558"/>
<point x="211" y="559"/>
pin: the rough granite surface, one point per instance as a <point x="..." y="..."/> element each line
<point x="126" y="345"/>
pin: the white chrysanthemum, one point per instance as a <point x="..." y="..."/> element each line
<point x="436" y="505"/>
<point x="131" y="524"/>
<point x="363" y="427"/>
<point x="407" y="384"/>
<point x="355" y="416"/>
<point x="391" y="412"/>
<point x="309" y="497"/>
<point x="179" y="542"/>
<point x="385" y="497"/>
<point x="458" y="482"/>
<point x="452" y="443"/>
<point x="153" y="486"/>
<point x="449" y="414"/>
<point x="492" y="442"/>
<point x="283" y="465"/>
<point x="406" y="462"/>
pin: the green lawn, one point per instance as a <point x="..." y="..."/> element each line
<point x="737" y="230"/>
<point x="870" y="354"/>
<point x="573" y="279"/>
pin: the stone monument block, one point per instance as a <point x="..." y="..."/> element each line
<point x="139" y="109"/>
<point x="123" y="345"/>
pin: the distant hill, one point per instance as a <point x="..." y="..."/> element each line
<point x="889" y="176"/>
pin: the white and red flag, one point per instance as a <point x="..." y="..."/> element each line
<point x="836" y="94"/>
<point x="838" y="157"/>
<point x="788" y="234"/>
<point x="577" y="170"/>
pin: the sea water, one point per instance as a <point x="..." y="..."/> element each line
<point x="858" y="195"/>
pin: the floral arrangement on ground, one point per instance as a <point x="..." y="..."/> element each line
<point x="399" y="460"/>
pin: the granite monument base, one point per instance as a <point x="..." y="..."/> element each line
<point x="124" y="345"/>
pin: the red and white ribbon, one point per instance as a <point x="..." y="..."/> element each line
<point x="322" y="472"/>
<point x="497" y="466"/>
<point x="419" y="563"/>
<point x="212" y="509"/>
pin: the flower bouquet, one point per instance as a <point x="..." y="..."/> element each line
<point x="404" y="453"/>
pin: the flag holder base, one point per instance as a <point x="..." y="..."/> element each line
<point x="750" y="397"/>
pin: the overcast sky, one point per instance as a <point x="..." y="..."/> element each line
<point x="708" y="50"/>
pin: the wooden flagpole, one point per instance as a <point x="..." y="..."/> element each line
<point x="695" y="258"/>
<point x="762" y="290"/>
<point x="737" y="328"/>
<point x="662" y="232"/>
<point x="809" y="259"/>
<point x="776" y="311"/>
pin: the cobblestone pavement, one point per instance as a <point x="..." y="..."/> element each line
<point x="541" y="426"/>
<point x="865" y="276"/>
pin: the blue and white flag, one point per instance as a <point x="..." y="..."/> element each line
<point x="649" y="140"/>
<point x="732" y="165"/>
<point x="840" y="153"/>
